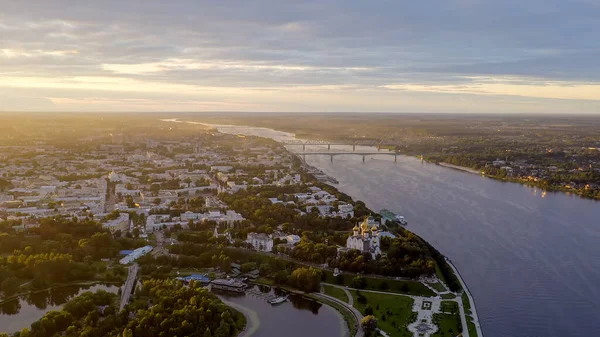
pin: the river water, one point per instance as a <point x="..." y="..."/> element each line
<point x="531" y="259"/>
<point x="20" y="313"/>
<point x="298" y="317"/>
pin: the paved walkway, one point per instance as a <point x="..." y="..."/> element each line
<point x="350" y="297"/>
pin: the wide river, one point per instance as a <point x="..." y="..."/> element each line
<point x="531" y="259"/>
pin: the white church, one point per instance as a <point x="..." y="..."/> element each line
<point x="365" y="239"/>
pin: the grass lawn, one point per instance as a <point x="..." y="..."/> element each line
<point x="336" y="292"/>
<point x="438" y="286"/>
<point x="449" y="325"/>
<point x="466" y="303"/>
<point x="449" y="307"/>
<point x="393" y="312"/>
<point x="448" y="296"/>
<point x="439" y="274"/>
<point x="396" y="286"/>
<point x="264" y="281"/>
<point x="471" y="327"/>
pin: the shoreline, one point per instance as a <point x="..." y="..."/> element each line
<point x="470" y="297"/>
<point x="252" y="320"/>
<point x="460" y="168"/>
<point x="86" y="283"/>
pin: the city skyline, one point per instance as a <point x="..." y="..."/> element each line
<point x="460" y="56"/>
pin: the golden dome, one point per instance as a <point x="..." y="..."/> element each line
<point x="355" y="228"/>
<point x="373" y="229"/>
<point x="365" y="225"/>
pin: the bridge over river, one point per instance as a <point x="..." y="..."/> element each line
<point x="129" y="285"/>
<point x="363" y="154"/>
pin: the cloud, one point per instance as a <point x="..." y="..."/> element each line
<point x="537" y="49"/>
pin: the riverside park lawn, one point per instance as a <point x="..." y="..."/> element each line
<point x="393" y="312"/>
<point x="336" y="292"/>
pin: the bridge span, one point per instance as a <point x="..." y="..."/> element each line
<point x="129" y="286"/>
<point x="363" y="154"/>
<point x="375" y="143"/>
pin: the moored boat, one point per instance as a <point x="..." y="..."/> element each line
<point x="277" y="300"/>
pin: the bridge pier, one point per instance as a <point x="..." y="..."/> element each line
<point x="331" y="158"/>
<point x="328" y="146"/>
<point x="303" y="147"/>
<point x="353" y="148"/>
<point x="304" y="158"/>
<point x="363" y="158"/>
<point x="395" y="158"/>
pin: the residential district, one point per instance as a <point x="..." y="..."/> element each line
<point x="221" y="210"/>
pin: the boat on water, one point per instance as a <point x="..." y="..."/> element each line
<point x="277" y="300"/>
<point x="387" y="215"/>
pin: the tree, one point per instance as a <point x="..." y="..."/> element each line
<point x="10" y="286"/>
<point x="359" y="283"/>
<point x="306" y="279"/>
<point x="368" y="310"/>
<point x="369" y="323"/>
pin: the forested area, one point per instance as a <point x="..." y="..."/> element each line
<point x="60" y="250"/>
<point x="160" y="308"/>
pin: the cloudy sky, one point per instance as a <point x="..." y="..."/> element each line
<point x="279" y="55"/>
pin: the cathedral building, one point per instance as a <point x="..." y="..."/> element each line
<point x="365" y="239"/>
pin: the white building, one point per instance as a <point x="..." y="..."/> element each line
<point x="260" y="241"/>
<point x="229" y="217"/>
<point x="364" y="239"/>
<point x="136" y="254"/>
<point x="345" y="210"/>
<point x="121" y="223"/>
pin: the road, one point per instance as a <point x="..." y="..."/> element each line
<point x="128" y="287"/>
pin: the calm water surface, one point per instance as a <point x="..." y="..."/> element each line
<point x="298" y="317"/>
<point x="20" y="313"/>
<point x="531" y="259"/>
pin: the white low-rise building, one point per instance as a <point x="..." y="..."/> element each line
<point x="121" y="223"/>
<point x="136" y="254"/>
<point x="260" y="241"/>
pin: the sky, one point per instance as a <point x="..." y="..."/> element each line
<point x="473" y="56"/>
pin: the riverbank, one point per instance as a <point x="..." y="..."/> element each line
<point x="460" y="168"/>
<point x="252" y="320"/>
<point x="56" y="286"/>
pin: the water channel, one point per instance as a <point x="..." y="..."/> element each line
<point x="21" y="312"/>
<point x="531" y="259"/>
<point x="297" y="317"/>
